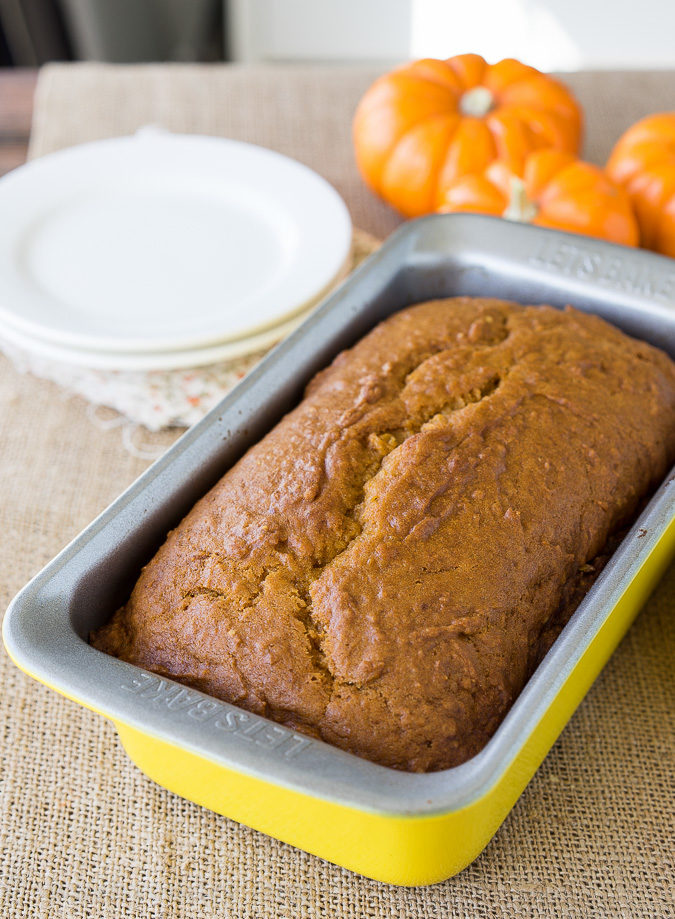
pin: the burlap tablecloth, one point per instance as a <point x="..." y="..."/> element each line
<point x="82" y="832"/>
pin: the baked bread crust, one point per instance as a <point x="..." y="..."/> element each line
<point x="386" y="568"/>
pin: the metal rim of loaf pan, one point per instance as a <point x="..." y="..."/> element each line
<point x="393" y="826"/>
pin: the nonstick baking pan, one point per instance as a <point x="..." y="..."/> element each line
<point x="397" y="827"/>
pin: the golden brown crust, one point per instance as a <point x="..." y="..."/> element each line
<point x="387" y="566"/>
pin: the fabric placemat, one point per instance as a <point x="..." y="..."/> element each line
<point x="82" y="832"/>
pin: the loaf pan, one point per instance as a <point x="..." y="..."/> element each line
<point x="393" y="826"/>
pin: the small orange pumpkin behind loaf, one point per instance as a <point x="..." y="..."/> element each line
<point x="421" y="127"/>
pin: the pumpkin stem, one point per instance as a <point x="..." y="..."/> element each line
<point x="476" y="102"/>
<point x="520" y="207"/>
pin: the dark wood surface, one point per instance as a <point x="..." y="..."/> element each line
<point x="16" y="109"/>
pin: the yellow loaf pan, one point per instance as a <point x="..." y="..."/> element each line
<point x="395" y="827"/>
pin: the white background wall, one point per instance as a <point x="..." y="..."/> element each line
<point x="550" y="34"/>
<point x="330" y="30"/>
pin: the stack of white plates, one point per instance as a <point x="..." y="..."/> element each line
<point x="162" y="251"/>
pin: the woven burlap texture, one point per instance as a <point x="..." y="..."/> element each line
<point x="82" y="832"/>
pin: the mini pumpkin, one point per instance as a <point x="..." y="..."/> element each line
<point x="421" y="127"/>
<point x="643" y="162"/>
<point x="554" y="189"/>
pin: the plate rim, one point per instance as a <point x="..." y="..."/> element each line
<point x="80" y="359"/>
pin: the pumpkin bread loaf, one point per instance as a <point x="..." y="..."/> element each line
<point x="386" y="568"/>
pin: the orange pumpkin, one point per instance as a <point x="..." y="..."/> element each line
<point x="554" y="189"/>
<point x="421" y="127"/>
<point x="643" y="161"/>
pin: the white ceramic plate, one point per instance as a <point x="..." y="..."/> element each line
<point x="162" y="242"/>
<point x="158" y="360"/>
